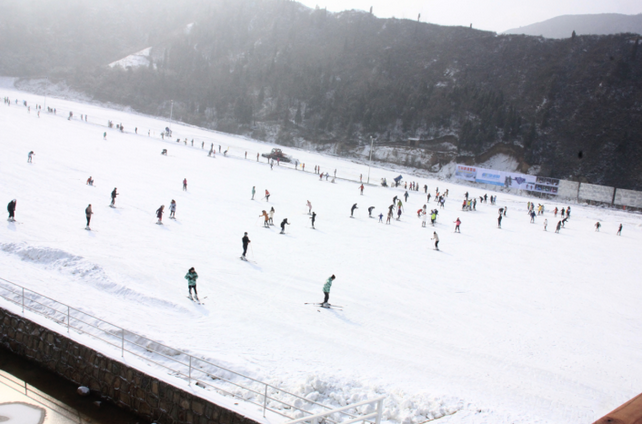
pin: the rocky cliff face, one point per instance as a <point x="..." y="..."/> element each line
<point x="429" y="95"/>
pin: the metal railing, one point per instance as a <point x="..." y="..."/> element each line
<point x="179" y="364"/>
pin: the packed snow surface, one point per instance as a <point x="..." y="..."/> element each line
<point x="510" y="325"/>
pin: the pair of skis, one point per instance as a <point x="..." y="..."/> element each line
<point x="325" y="305"/>
<point x="196" y="300"/>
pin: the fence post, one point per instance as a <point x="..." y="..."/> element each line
<point x="379" y="411"/>
<point x="23" y="300"/>
<point x="189" y="376"/>
<point x="122" y="346"/>
<point x="68" y="320"/>
<point x="265" y="400"/>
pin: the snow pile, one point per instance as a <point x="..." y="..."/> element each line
<point x="135" y="60"/>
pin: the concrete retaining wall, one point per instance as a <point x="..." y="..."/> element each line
<point x="127" y="387"/>
<point x="628" y="198"/>
<point x="568" y="189"/>
<point x="596" y="193"/>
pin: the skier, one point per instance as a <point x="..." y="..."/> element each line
<point x="191" y="277"/>
<point x="267" y="195"/>
<point x="457" y="224"/>
<point x="352" y="210"/>
<point x="313" y="218"/>
<point x="532" y="217"/>
<point x="398" y="214"/>
<point x="568" y="212"/>
<point x="246" y="241"/>
<point x="253" y="191"/>
<point x="559" y="225"/>
<point x="11" y="208"/>
<point x="159" y="214"/>
<point x="90" y="181"/>
<point x="505" y="210"/>
<point x="271" y="221"/>
<point x="361" y="188"/>
<point x="184" y="184"/>
<point x="30" y="156"/>
<point x="309" y="205"/>
<point x="114" y="193"/>
<point x="389" y="217"/>
<point x="405" y="195"/>
<point x="88" y="214"/>
<point x="266" y="222"/>
<point x="499" y="221"/>
<point x="619" y="230"/>
<point x="283" y="224"/>
<point x="433" y="217"/>
<point x="172" y="209"/>
<point x="423" y="219"/>
<point x="436" y="238"/>
<point x="370" y="209"/>
<point x="545" y="224"/>
<point x="105" y="135"/>
<point x="597" y="226"/>
<point x="326" y="291"/>
<point x="381" y="218"/>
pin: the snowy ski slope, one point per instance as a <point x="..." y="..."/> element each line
<point x="516" y="325"/>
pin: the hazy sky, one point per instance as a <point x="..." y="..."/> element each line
<point x="495" y="15"/>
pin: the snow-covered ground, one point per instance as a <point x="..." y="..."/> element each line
<point x="517" y="325"/>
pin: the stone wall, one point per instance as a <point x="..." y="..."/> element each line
<point x="125" y="386"/>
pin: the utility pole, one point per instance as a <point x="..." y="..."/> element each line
<point x="370" y="161"/>
<point x="171" y="111"/>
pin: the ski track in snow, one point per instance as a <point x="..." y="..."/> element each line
<point x="515" y="325"/>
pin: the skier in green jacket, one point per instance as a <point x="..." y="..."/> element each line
<point x="326" y="290"/>
<point x="191" y="277"/>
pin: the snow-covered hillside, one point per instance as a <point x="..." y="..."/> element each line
<point x="511" y="325"/>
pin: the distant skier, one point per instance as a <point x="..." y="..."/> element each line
<point x="191" y="277"/>
<point x="545" y="224"/>
<point x="267" y="195"/>
<point x="568" y="212"/>
<point x="159" y="214"/>
<point x="619" y="230"/>
<point x="381" y="218"/>
<point x="114" y="193"/>
<point x="172" y="209"/>
<point x="436" y="238"/>
<point x="90" y="181"/>
<point x="532" y="217"/>
<point x="558" y="226"/>
<point x="246" y="241"/>
<point x="184" y="184"/>
<point x="457" y="224"/>
<point x="313" y="218"/>
<point x="11" y="208"/>
<point x="283" y="224"/>
<point x="88" y="214"/>
<point x="326" y="290"/>
<point x="309" y="205"/>
<point x="499" y="221"/>
<point x="505" y="210"/>
<point x="352" y="210"/>
<point x="30" y="156"/>
<point x="405" y="195"/>
<point x="424" y="217"/>
<point x="361" y="189"/>
<point x="271" y="220"/>
<point x="370" y="209"/>
<point x="253" y="191"/>
<point x="597" y="226"/>
<point x="105" y="135"/>
<point x="266" y="219"/>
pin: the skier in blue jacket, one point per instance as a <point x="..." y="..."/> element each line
<point x="191" y="277"/>
<point x="326" y="290"/>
